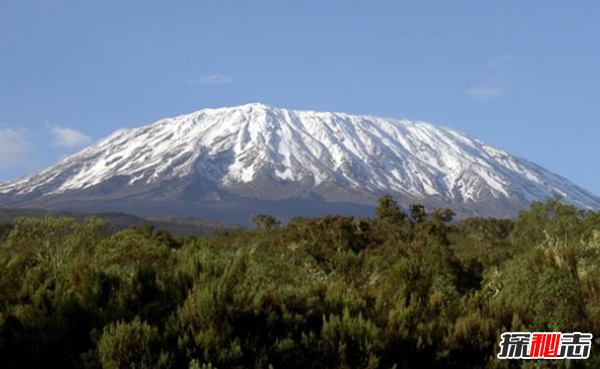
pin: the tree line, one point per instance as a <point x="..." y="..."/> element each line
<point x="406" y="288"/>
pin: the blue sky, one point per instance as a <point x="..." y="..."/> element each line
<point x="520" y="75"/>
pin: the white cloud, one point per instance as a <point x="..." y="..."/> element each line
<point x="215" y="79"/>
<point x="499" y="79"/>
<point x="16" y="148"/>
<point x="67" y="137"/>
<point x="485" y="93"/>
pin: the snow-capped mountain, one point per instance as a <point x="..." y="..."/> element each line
<point x="250" y="156"/>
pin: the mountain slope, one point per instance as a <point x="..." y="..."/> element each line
<point x="254" y="152"/>
<point x="177" y="226"/>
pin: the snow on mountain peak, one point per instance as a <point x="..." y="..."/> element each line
<point x="240" y="145"/>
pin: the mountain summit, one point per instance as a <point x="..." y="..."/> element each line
<point x="230" y="163"/>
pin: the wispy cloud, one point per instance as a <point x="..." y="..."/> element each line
<point x="16" y="149"/>
<point x="486" y="93"/>
<point x="498" y="81"/>
<point x="213" y="79"/>
<point x="66" y="137"/>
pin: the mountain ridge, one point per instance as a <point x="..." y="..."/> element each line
<point x="259" y="152"/>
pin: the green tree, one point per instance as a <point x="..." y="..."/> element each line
<point x="388" y="210"/>
<point x="133" y="344"/>
<point x="266" y="222"/>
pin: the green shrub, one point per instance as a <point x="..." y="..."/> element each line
<point x="133" y="344"/>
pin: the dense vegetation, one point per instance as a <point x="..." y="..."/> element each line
<point x="402" y="290"/>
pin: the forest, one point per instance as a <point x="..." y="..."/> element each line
<point x="407" y="288"/>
